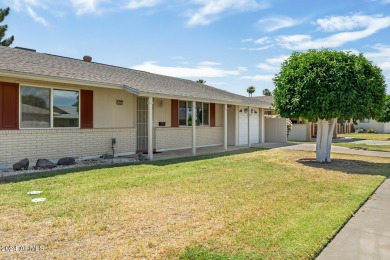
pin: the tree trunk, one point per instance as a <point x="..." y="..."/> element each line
<point x="324" y="139"/>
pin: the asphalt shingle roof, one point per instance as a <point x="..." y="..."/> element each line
<point x="14" y="60"/>
<point x="269" y="100"/>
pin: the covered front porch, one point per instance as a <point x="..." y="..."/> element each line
<point x="181" y="126"/>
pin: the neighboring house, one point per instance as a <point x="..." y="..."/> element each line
<point x="301" y="128"/>
<point x="367" y="124"/>
<point x="53" y="106"/>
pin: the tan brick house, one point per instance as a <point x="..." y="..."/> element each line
<point x="53" y="106"/>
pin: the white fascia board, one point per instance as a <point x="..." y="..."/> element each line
<point x="159" y="95"/>
<point x="27" y="76"/>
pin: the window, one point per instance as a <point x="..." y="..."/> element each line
<point x="182" y="113"/>
<point x="205" y="114"/>
<point x="186" y="113"/>
<point x="37" y="110"/>
<point x="65" y="108"/>
<point x="189" y="113"/>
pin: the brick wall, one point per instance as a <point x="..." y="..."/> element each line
<point x="209" y="136"/>
<point x="181" y="137"/>
<point x="53" y="144"/>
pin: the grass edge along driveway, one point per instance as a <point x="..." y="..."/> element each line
<point x="274" y="204"/>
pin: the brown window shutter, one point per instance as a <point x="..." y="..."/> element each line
<point x="174" y="113"/>
<point x="86" y="108"/>
<point x="9" y="106"/>
<point x="212" y="114"/>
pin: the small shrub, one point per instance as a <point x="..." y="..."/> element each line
<point x="371" y="131"/>
<point x="360" y="130"/>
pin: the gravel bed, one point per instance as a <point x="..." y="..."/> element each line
<point x="8" y="171"/>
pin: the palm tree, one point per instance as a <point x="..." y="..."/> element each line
<point x="267" y="92"/>
<point x="251" y="90"/>
<point x="201" y="81"/>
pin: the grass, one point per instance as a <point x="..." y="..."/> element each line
<point x="365" y="136"/>
<point x="251" y="204"/>
<point x="380" y="148"/>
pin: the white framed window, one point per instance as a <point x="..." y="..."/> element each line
<point x="186" y="113"/>
<point x="49" y="108"/>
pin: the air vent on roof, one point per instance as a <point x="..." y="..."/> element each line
<point x="25" y="49"/>
<point x="87" y="58"/>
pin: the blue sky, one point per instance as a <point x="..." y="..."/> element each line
<point x="232" y="44"/>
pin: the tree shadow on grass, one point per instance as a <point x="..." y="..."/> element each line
<point x="350" y="166"/>
<point x="165" y="162"/>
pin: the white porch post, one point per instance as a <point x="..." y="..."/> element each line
<point x="193" y="128"/>
<point x="249" y="126"/>
<point x="225" y="127"/>
<point x="150" y="128"/>
<point x="262" y="121"/>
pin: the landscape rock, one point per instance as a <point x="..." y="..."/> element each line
<point x="107" y="156"/>
<point x="142" y="157"/>
<point x="43" y="164"/>
<point x="66" y="161"/>
<point x="21" y="165"/>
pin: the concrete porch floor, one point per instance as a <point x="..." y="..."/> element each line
<point x="199" y="151"/>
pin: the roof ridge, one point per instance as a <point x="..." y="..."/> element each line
<point x="52" y="65"/>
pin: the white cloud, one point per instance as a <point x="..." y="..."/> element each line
<point x="86" y="6"/>
<point x="242" y="68"/>
<point x="276" y="61"/>
<point x="135" y="4"/>
<point x="80" y="7"/>
<point x="381" y="57"/>
<point x="185" y="72"/>
<point x="209" y="63"/>
<point x="343" y="23"/>
<point x="262" y="48"/>
<point x="275" y="23"/>
<point x="211" y="10"/>
<point x="263" y="40"/>
<point x="266" y="78"/>
<point x="36" y="17"/>
<point x="269" y="68"/>
<point x="247" y="40"/>
<point x="272" y="64"/>
<point x="372" y="25"/>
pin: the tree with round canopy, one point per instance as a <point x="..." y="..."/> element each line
<point x="325" y="85"/>
<point x="385" y="117"/>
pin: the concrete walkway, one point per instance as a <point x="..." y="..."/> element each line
<point x="312" y="147"/>
<point x="367" y="234"/>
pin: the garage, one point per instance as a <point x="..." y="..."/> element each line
<point x="243" y="125"/>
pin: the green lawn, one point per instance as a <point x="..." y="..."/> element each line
<point x="380" y="148"/>
<point x="383" y="137"/>
<point x="252" y="204"/>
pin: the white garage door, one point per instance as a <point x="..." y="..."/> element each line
<point x="243" y="126"/>
<point x="255" y="126"/>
